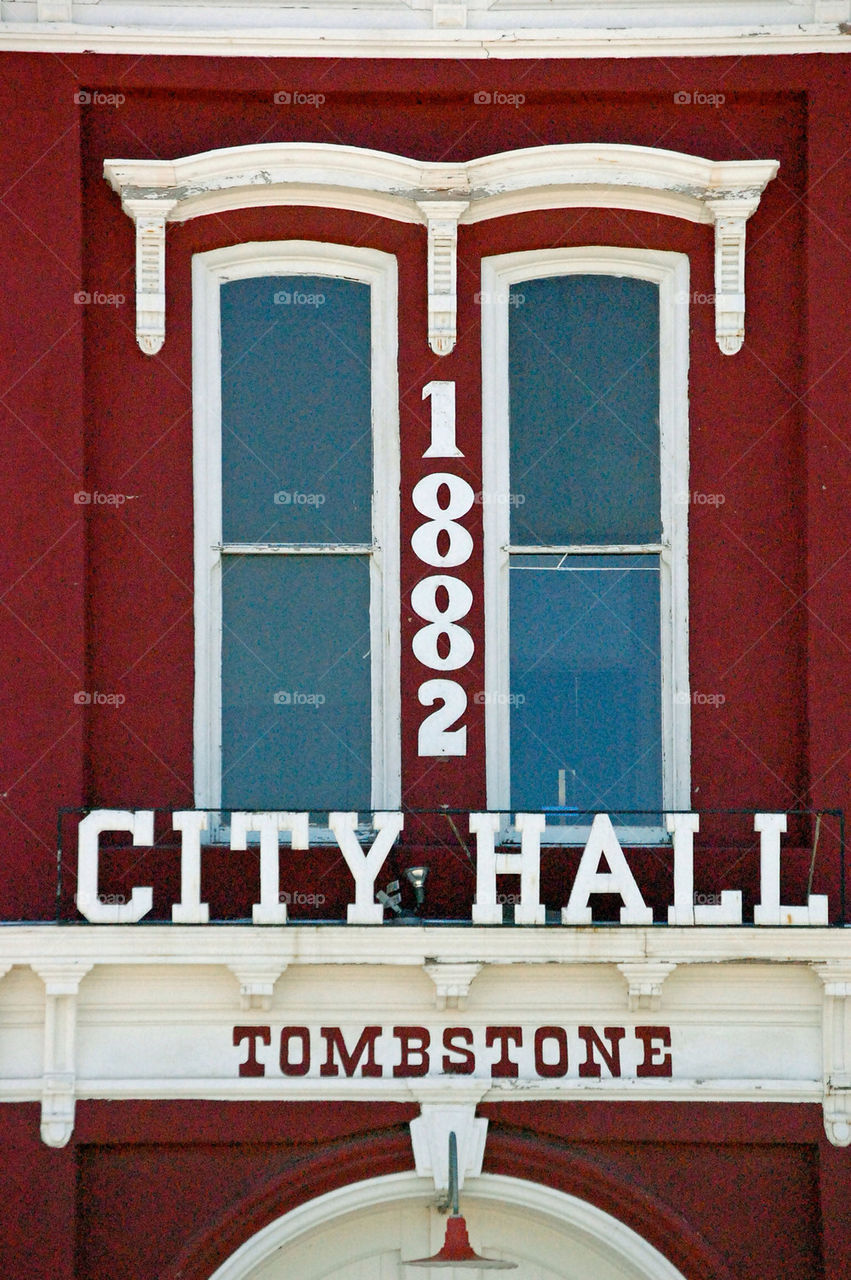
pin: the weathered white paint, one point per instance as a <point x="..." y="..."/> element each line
<point x="769" y="909"/>
<point x="755" y="1014"/>
<point x="684" y="910"/>
<point x="836" y="1054"/>
<point x="442" y="398"/>
<point x="364" y="863"/>
<point x="61" y="984"/>
<point x="502" y="29"/>
<point x="490" y="864"/>
<point x="430" y="1132"/>
<point x="440" y="196"/>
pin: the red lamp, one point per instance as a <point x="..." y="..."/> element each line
<point x="457" y="1250"/>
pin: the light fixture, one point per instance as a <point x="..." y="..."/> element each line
<point x="416" y="877"/>
<point x="457" y="1250"/>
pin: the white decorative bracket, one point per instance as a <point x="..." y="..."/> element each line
<point x="256" y="982"/>
<point x="836" y="1050"/>
<point x="58" y="1097"/>
<point x="645" y="979"/>
<point x="442" y="196"/>
<point x="430" y="1139"/>
<point x="730" y="221"/>
<point x="150" y="218"/>
<point x="452" y="982"/>
<point x="442" y="220"/>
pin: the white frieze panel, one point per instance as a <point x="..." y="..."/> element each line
<point x="21" y="1032"/>
<point x="276" y="1013"/>
<point x="176" y="1031"/>
<point x="376" y="1033"/>
<point x="670" y="13"/>
<point x="422" y="28"/>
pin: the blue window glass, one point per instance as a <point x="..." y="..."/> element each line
<point x="584" y="410"/>
<point x="585" y="682"/>
<point x="295" y="682"/>
<point x="585" y="632"/>
<point x="296" y="411"/>
<point x="296" y="477"/>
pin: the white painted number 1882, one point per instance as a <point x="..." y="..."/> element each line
<point x="441" y="599"/>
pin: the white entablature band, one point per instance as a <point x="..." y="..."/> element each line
<point x="441" y="196"/>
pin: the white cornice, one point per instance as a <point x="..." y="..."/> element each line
<point x="514" y="40"/>
<point x="303" y="944"/>
<point x="397" y="186"/>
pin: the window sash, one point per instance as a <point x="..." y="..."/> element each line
<point x="378" y="270"/>
<point x="670" y="271"/>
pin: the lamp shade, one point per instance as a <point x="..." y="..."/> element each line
<point x="458" y="1252"/>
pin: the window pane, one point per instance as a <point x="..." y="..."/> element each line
<point x="295" y="682"/>
<point x="296" y="412"/>
<point x="584" y="410"/>
<point x="585" y="682"/>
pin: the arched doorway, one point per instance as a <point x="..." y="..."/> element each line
<point x="364" y="1231"/>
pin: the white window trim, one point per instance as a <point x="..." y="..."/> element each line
<point x="670" y="271"/>
<point x="296" y="257"/>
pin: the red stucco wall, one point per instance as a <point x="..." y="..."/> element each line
<point x="170" y="1189"/>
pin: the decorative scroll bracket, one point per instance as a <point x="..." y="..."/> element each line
<point x="150" y="219"/>
<point x="430" y="1139"/>
<point x="836" y="1050"/>
<point x="58" y="1098"/>
<point x="452" y="982"/>
<point x="645" y="979"/>
<point x="730" y="222"/>
<point x="442" y="218"/>
<point x="256" y="982"/>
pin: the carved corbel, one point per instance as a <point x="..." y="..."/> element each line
<point x="430" y="1139"/>
<point x="442" y="219"/>
<point x="61" y="983"/>
<point x="452" y="982"/>
<point x="836" y="1050"/>
<point x="256" y="982"/>
<point x="644" y="979"/>
<point x="731" y="217"/>
<point x="150" y="217"/>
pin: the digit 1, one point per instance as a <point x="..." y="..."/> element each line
<point x="442" y="396"/>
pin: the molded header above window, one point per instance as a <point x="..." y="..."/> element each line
<point x="441" y="196"/>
